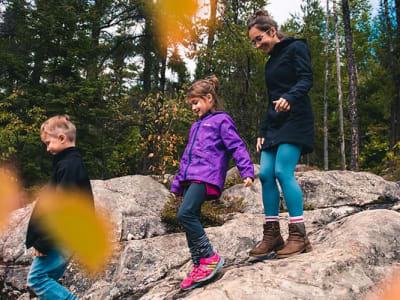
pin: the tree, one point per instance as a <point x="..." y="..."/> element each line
<point x="352" y="73"/>
<point x="326" y="165"/>
<point x="339" y="91"/>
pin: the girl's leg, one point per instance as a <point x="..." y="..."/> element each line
<point x="189" y="217"/>
<point x="287" y="157"/>
<point x="270" y="192"/>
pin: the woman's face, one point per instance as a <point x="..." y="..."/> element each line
<point x="264" y="40"/>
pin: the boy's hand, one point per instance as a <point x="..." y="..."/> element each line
<point x="248" y="181"/>
<point x="37" y="253"/>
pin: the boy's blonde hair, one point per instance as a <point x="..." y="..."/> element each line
<point x="59" y="124"/>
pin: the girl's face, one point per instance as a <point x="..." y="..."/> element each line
<point x="202" y="105"/>
<point x="264" y="40"/>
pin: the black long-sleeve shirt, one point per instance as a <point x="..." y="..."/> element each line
<point x="69" y="172"/>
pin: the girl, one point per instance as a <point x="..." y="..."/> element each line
<point x="213" y="138"/>
<point x="286" y="133"/>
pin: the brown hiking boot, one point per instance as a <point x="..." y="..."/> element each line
<point x="297" y="241"/>
<point x="272" y="240"/>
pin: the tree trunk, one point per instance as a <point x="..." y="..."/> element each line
<point x="326" y="164"/>
<point x="211" y="32"/>
<point x="148" y="61"/>
<point x="352" y="73"/>
<point x="163" y="56"/>
<point x="339" y="88"/>
<point x="394" y="59"/>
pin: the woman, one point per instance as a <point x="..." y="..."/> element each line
<point x="287" y="132"/>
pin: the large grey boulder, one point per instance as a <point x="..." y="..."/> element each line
<point x="134" y="203"/>
<point x="354" y="246"/>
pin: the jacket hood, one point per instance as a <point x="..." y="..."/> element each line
<point x="284" y="43"/>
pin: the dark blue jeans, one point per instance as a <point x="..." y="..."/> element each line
<point x="43" y="276"/>
<point x="189" y="216"/>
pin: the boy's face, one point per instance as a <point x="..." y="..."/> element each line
<point x="54" y="143"/>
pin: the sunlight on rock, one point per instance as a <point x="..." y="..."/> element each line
<point x="391" y="289"/>
<point x="174" y="19"/>
<point x="10" y="195"/>
<point x="70" y="219"/>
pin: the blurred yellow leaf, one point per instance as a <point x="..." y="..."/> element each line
<point x="173" y="19"/>
<point x="70" y="219"/>
<point x="10" y="195"/>
<point x="150" y="155"/>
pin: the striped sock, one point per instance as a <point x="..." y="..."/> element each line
<point x="272" y="219"/>
<point x="298" y="219"/>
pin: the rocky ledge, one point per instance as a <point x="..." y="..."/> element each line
<point x="352" y="220"/>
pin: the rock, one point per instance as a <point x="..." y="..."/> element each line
<point x="233" y="173"/>
<point x="354" y="244"/>
<point x="337" y="188"/>
<point x="134" y="202"/>
<point x="345" y="265"/>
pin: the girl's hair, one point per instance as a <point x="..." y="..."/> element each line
<point x="262" y="21"/>
<point x="202" y="87"/>
<point x="59" y="124"/>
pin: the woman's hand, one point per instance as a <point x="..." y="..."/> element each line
<point x="260" y="141"/>
<point x="281" y="105"/>
<point x="248" y="181"/>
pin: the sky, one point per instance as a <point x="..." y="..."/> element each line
<point x="281" y="10"/>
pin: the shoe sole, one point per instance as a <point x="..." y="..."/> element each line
<point x="219" y="265"/>
<point x="305" y="250"/>
<point x="194" y="285"/>
<point x="261" y="255"/>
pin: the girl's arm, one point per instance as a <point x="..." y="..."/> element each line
<point x="236" y="148"/>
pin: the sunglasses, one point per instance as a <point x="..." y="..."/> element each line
<point x="259" y="38"/>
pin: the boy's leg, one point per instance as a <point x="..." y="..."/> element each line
<point x="189" y="217"/>
<point x="43" y="276"/>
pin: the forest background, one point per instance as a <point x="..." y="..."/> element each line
<point x="102" y="62"/>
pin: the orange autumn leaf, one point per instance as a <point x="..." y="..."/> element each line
<point x="70" y="219"/>
<point x="173" y="19"/>
<point x="10" y="194"/>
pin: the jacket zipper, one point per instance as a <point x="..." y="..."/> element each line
<point x="190" y="151"/>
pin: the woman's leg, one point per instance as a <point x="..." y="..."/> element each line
<point x="270" y="191"/>
<point x="287" y="157"/>
<point x="272" y="239"/>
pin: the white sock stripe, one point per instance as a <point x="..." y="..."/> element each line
<point x="270" y="219"/>
<point x="298" y="219"/>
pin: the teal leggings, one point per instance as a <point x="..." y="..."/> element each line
<point x="279" y="163"/>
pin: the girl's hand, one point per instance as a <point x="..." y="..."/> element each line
<point x="281" y="105"/>
<point x="260" y="141"/>
<point x="248" y="181"/>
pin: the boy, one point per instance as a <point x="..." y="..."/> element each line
<point x="58" y="134"/>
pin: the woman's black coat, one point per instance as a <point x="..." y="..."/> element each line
<point x="288" y="75"/>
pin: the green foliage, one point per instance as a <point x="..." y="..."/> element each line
<point x="213" y="212"/>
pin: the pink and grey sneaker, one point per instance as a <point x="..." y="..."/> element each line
<point x="189" y="283"/>
<point x="208" y="268"/>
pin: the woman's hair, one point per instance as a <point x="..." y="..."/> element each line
<point x="262" y="21"/>
<point x="202" y="87"/>
<point x="59" y="124"/>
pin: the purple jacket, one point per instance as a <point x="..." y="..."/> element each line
<point x="213" y="139"/>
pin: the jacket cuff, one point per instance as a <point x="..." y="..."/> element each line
<point x="289" y="98"/>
